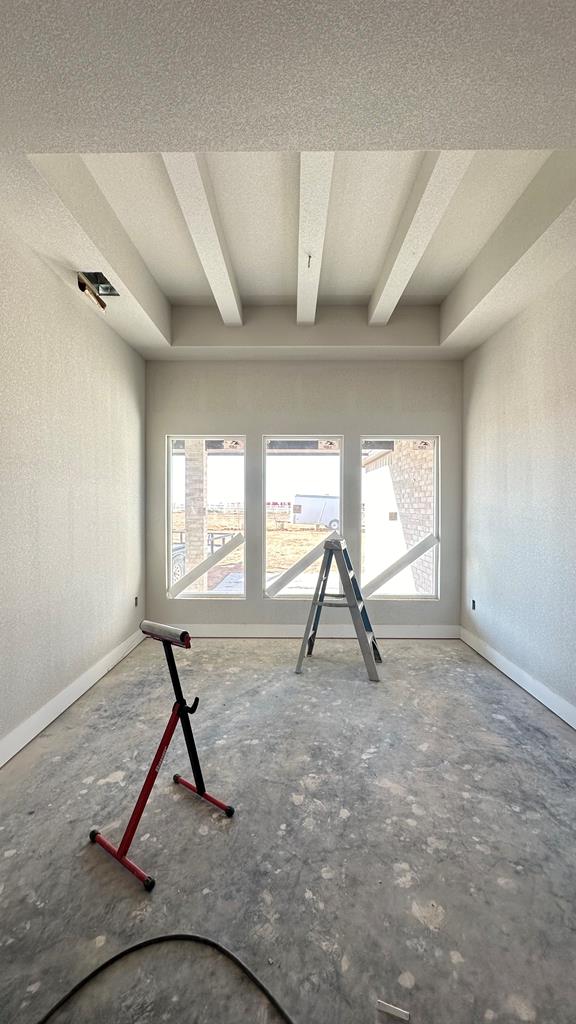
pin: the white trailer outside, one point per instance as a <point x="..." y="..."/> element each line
<point x="317" y="509"/>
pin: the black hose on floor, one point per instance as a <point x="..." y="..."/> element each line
<point x="184" y="937"/>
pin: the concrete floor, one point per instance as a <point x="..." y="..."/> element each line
<point x="412" y="840"/>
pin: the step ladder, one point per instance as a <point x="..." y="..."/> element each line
<point x="335" y="548"/>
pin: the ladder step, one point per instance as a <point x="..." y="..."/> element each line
<point x="350" y="598"/>
<point x="339" y="601"/>
<point x="334" y="604"/>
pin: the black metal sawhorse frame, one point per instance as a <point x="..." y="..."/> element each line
<point x="169" y="637"/>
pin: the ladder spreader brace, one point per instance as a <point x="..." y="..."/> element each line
<point x="335" y="548"/>
<point x="169" y="637"/>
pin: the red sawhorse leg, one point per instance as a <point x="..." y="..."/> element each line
<point x="180" y="712"/>
<point x="119" y="852"/>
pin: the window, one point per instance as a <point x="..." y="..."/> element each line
<point x="206" y="517"/>
<point x="302" y="509"/>
<point x="399" y="517"/>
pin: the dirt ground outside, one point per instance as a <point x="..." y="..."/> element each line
<point x="286" y="542"/>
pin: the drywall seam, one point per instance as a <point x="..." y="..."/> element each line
<point x="561" y="707"/>
<point x="283" y="631"/>
<point x="32" y="726"/>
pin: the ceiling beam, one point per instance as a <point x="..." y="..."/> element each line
<point x="76" y="229"/>
<point x="191" y="183"/>
<point x="315" y="183"/>
<point x="530" y="250"/>
<point x="436" y="182"/>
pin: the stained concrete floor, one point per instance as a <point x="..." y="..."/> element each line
<point x="412" y="840"/>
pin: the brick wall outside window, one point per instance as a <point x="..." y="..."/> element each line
<point x="412" y="471"/>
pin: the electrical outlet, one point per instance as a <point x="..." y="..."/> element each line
<point x="473" y="604"/>
<point x="135" y="602"/>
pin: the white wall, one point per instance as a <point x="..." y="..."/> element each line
<point x="520" y="496"/>
<point x="306" y="398"/>
<point x="72" y="489"/>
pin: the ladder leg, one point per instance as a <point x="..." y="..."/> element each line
<point x="324" y="574"/>
<point x="369" y="629"/>
<point x="364" y="612"/>
<point x="366" y="646"/>
<point x="307" y="645"/>
<point x="354" y="599"/>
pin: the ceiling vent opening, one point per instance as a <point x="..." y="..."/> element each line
<point x="99" y="283"/>
<point x="94" y="285"/>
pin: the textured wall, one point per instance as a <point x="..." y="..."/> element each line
<point x="520" y="493"/>
<point x="71" y="479"/>
<point x="316" y="399"/>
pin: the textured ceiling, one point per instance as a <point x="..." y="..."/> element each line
<point x="411" y="251"/>
<point x="490" y="187"/>
<point x="257" y="199"/>
<point x="369" y="192"/>
<point x="187" y="75"/>
<point x="450" y="201"/>
<point x="139" y="191"/>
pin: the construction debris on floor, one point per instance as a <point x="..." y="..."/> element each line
<point x="409" y="841"/>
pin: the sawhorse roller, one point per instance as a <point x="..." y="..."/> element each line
<point x="169" y="637"/>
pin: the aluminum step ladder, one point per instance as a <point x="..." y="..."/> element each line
<point x="335" y="548"/>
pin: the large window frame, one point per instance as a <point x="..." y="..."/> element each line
<point x="200" y="596"/>
<point x="317" y="436"/>
<point x="429" y="543"/>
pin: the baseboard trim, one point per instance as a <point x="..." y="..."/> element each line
<point x="328" y="632"/>
<point x="29" y="729"/>
<point x="561" y="707"/>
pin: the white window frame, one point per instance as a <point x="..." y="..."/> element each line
<point x="316" y="436"/>
<point x="435" y="546"/>
<point x="213" y="436"/>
